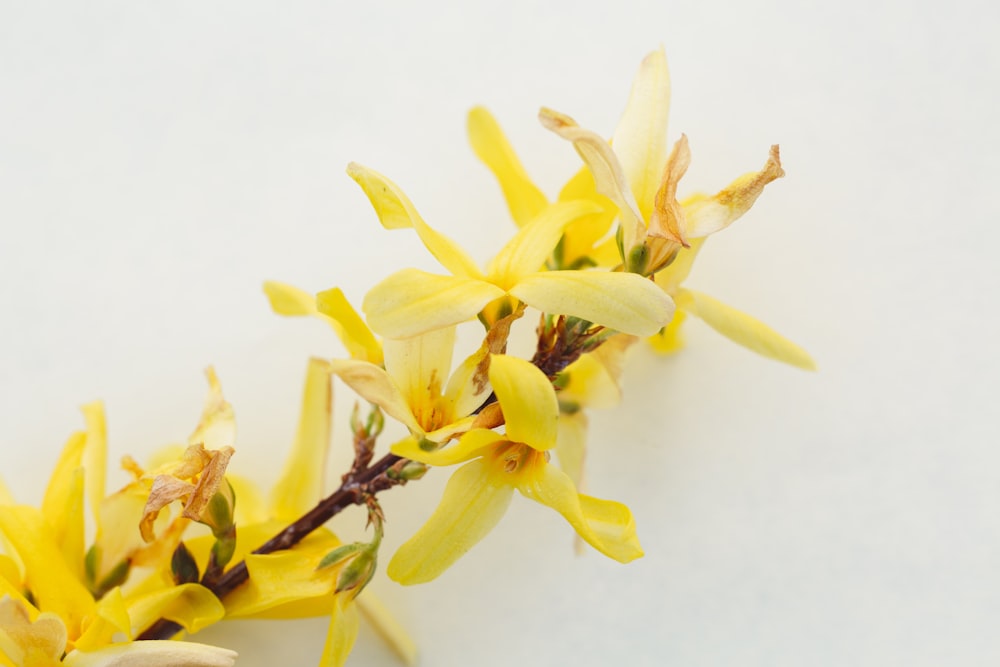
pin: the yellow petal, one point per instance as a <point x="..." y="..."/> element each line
<point x="95" y="455"/>
<point x="300" y="486"/>
<point x="571" y="447"/>
<point x="609" y="178"/>
<point x="118" y="536"/>
<point x="641" y="137"/>
<point x="249" y="502"/>
<point x="387" y="627"/>
<point x="670" y="338"/>
<point x="192" y="606"/>
<point x="352" y="330"/>
<point x="491" y="146"/>
<point x="581" y="237"/>
<point x="419" y="366"/>
<point x="707" y="215"/>
<point x="474" y="501"/>
<point x="745" y="330"/>
<point x="154" y="653"/>
<point x="527" y="399"/>
<point x="625" y="302"/>
<point x="341" y="634"/>
<point x="110" y="617"/>
<point x="605" y="525"/>
<point x="531" y="246"/>
<point x="677" y="272"/>
<point x="54" y="586"/>
<point x="288" y="300"/>
<point x="411" y="302"/>
<point x="395" y="211"/>
<point x="26" y="642"/>
<point x="63" y="503"/>
<point x="375" y="386"/>
<point x="472" y="444"/>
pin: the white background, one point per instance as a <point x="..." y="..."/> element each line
<point x="158" y="161"/>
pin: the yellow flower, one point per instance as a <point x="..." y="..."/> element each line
<point x="478" y="493"/>
<point x="641" y="178"/>
<point x="411" y="302"/>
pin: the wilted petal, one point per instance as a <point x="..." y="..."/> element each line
<point x="707" y="215"/>
<point x="527" y="399"/>
<point x="352" y="330"/>
<point x="474" y="501"/>
<point x="395" y="211"/>
<point x="531" y="246"/>
<point x="667" y="219"/>
<point x="641" y="137"/>
<point x="491" y="146"/>
<point x="218" y="421"/>
<point x="301" y="483"/>
<point x="411" y="302"/>
<point x="743" y="329"/>
<point x="609" y="178"/>
<point x="37" y="643"/>
<point x="153" y="653"/>
<point x="605" y="525"/>
<point x="376" y="386"/>
<point x="625" y="302"/>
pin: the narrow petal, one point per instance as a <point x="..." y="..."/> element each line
<point x="745" y="330"/>
<point x="527" y="399"/>
<point x="95" y="455"/>
<point x="387" y="627"/>
<point x="301" y="483"/>
<point x="474" y="501"/>
<point x="571" y="447"/>
<point x="524" y="199"/>
<point x="469" y="386"/>
<point x="420" y="366"/>
<point x="218" y="421"/>
<point x="472" y="444"/>
<point x="605" y="525"/>
<point x="625" y="302"/>
<point x="289" y="301"/>
<point x="110" y="617"/>
<point x="677" y="272"/>
<point x="352" y="330"/>
<point x="609" y="178"/>
<point x="670" y="338"/>
<point x="707" y="215"/>
<point x="54" y="586"/>
<point x="641" y="137"/>
<point x="589" y="384"/>
<point x="395" y="211"/>
<point x="582" y="237"/>
<point x="411" y="302"/>
<point x="63" y="503"/>
<point x="531" y="246"/>
<point x="153" y="653"/>
<point x="376" y="386"/>
<point x="192" y="606"/>
<point x="341" y="634"/>
<point x="667" y="220"/>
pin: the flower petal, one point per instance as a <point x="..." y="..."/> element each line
<point x="300" y="486"/>
<point x="531" y="246"/>
<point x="670" y="338"/>
<point x="604" y="524"/>
<point x="95" y="455"/>
<point x="472" y="444"/>
<point x="218" y="421"/>
<point x="609" y="178"/>
<point x="474" y="501"/>
<point x="524" y="199"/>
<point x="352" y="330"/>
<point x="641" y="137"/>
<point x="192" y="606"/>
<point x="376" y="386"/>
<point x="153" y="653"/>
<point x="420" y="366"/>
<point x="387" y="627"/>
<point x="395" y="211"/>
<point x="677" y="271"/>
<point x="743" y="329"/>
<point x="63" y="503"/>
<point x="110" y="617"/>
<point x="341" y="633"/>
<point x="411" y="302"/>
<point x="527" y="399"/>
<point x="571" y="447"/>
<point x="625" y="302"/>
<point x="285" y="584"/>
<point x="707" y="215"/>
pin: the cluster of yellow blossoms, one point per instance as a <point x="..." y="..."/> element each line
<point x="186" y="543"/>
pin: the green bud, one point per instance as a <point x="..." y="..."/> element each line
<point x="340" y="554"/>
<point x="638" y="258"/>
<point x="356" y="574"/>
<point x="428" y="445"/>
<point x="218" y="515"/>
<point x="183" y="566"/>
<point x="223" y="549"/>
<point x="90" y="562"/>
<point x="116" y="577"/>
<point x="409" y="471"/>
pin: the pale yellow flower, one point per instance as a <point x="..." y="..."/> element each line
<point x="411" y="302"/>
<point x="478" y="493"/>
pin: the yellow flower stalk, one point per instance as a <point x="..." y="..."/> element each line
<point x="478" y="493"/>
<point x="411" y="302"/>
<point x="658" y="234"/>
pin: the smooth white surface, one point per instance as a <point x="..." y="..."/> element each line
<point x="158" y="161"/>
